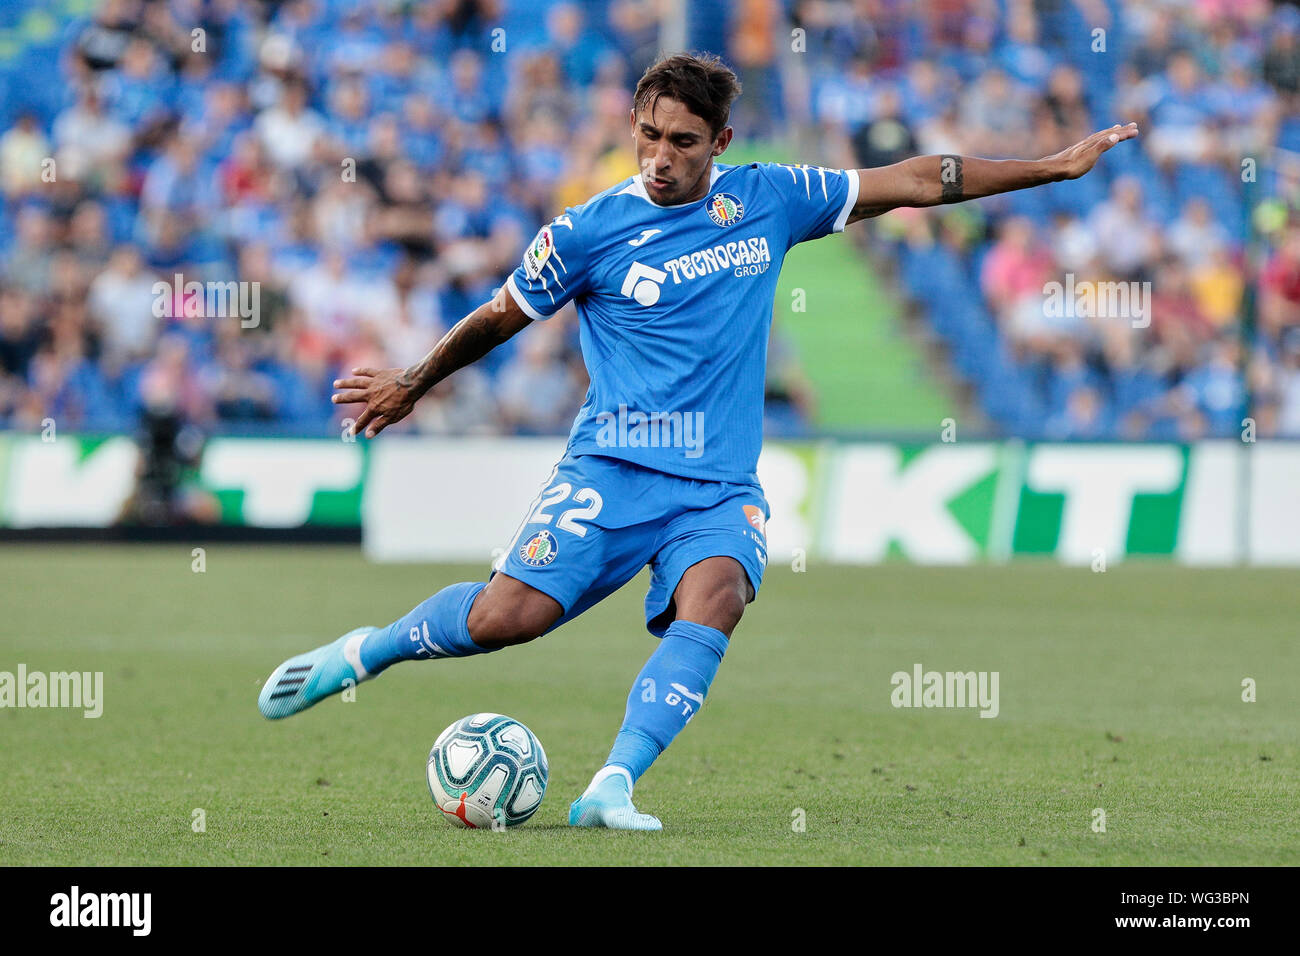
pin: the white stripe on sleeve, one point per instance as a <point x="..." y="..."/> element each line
<point x="518" y="296"/>
<point x="850" y="200"/>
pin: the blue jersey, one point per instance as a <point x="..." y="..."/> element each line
<point x="675" y="305"/>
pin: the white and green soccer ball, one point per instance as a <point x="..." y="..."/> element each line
<point x="487" y="771"/>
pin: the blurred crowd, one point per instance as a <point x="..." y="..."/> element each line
<point x="377" y="167"/>
<point x="1176" y="223"/>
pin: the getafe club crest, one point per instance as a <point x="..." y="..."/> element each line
<point x="725" y="209"/>
<point x="538" y="253"/>
<point x="539" y="550"/>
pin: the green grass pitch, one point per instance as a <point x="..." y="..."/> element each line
<point x="1120" y="691"/>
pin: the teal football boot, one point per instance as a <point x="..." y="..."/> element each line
<point x="608" y="803"/>
<point x="303" y="680"/>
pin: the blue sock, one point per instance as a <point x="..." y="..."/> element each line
<point x="439" y="627"/>
<point x="668" y="692"/>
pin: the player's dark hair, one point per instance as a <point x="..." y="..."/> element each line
<point x="699" y="81"/>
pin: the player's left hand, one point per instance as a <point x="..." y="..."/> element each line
<point x="1082" y="156"/>
<point x="387" y="395"/>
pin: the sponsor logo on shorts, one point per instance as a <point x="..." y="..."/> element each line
<point x="725" y="209"/>
<point x="539" y="550"/>
<point x="755" y="517"/>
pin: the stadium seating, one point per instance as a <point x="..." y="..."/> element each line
<point x="443" y="132"/>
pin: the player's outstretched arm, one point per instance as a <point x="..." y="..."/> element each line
<point x="931" y="180"/>
<point x="390" y="394"/>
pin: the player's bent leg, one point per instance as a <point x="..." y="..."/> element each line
<point x="436" y="628"/>
<point x="668" y="692"/>
<point x="460" y="620"/>
<point x="713" y="592"/>
<point x="573" y="567"/>
<point x="708" y="568"/>
<point x="511" y="612"/>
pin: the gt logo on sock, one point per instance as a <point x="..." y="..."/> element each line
<point x="673" y="699"/>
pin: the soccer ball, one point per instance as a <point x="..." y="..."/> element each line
<point x="487" y="771"/>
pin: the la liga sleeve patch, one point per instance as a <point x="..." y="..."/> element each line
<point x="536" y="255"/>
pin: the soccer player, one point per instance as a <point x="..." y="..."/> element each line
<point x="673" y="273"/>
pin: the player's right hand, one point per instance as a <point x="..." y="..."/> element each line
<point x="387" y="393"/>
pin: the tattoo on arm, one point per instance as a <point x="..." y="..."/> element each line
<point x="468" y="341"/>
<point x="950" y="178"/>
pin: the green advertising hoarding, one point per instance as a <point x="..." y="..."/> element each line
<point x="855" y="502"/>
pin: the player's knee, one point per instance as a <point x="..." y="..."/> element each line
<point x="498" y="620"/>
<point x="501" y="627"/>
<point x="720" y="607"/>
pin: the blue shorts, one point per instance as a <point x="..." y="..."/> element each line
<point x="598" y="521"/>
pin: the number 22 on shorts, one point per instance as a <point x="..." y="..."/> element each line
<point x="589" y="498"/>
